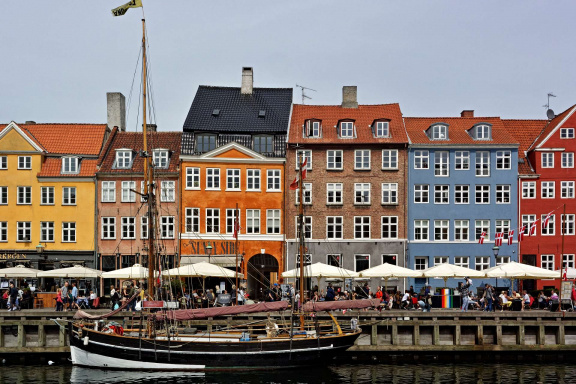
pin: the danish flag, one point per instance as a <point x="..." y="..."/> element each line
<point x="546" y="219"/>
<point x="482" y="236"/>
<point x="521" y="233"/>
<point x="296" y="182"/>
<point x="532" y="231"/>
<point x="510" y="236"/>
<point x="498" y="239"/>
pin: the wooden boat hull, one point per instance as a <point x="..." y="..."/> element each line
<point x="110" y="351"/>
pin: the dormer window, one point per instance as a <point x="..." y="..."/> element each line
<point x="482" y="132"/>
<point x="205" y="143"/>
<point x="382" y="129"/>
<point x="160" y="158"/>
<point x="70" y="165"/>
<point x="312" y="128"/>
<point x="439" y="132"/>
<point x="346" y="129"/>
<point x="123" y="158"/>
<point x="263" y="144"/>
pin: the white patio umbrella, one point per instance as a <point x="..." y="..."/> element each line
<point x="321" y="270"/>
<point x="202" y="269"/>
<point x="18" y="271"/>
<point x="76" y="272"/>
<point x="388" y="271"/>
<point x="570" y="273"/>
<point x="514" y="270"/>
<point x="447" y="271"/>
<point x="136" y="271"/>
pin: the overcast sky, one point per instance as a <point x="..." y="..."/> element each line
<point x="434" y="57"/>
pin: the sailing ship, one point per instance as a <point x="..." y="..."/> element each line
<point x="293" y="338"/>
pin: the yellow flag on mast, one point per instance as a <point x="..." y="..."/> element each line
<point x="124" y="8"/>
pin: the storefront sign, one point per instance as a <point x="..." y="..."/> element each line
<point x="12" y="256"/>
<point x="218" y="247"/>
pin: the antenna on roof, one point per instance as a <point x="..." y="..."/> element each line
<point x="304" y="96"/>
<point x="549" y="112"/>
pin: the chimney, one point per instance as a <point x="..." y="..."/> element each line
<point x="349" y="98"/>
<point x="30" y="122"/>
<point x="467" y="113"/>
<point x="151" y="128"/>
<point x="247" y="81"/>
<point x="116" y="106"/>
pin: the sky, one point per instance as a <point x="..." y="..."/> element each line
<point x="433" y="57"/>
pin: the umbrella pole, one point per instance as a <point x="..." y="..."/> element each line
<point x="385" y="284"/>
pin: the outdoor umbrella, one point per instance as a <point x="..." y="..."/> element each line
<point x="18" y="271"/>
<point x="134" y="272"/>
<point x="321" y="270"/>
<point x="387" y="271"/>
<point x="76" y="272"/>
<point x="570" y="273"/>
<point x="514" y="270"/>
<point x="203" y="270"/>
<point x="447" y="271"/>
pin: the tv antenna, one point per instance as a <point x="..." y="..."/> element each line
<point x="549" y="112"/>
<point x="304" y="95"/>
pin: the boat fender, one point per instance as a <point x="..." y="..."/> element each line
<point x="86" y="340"/>
<point x="272" y="329"/>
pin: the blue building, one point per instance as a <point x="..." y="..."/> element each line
<point x="462" y="182"/>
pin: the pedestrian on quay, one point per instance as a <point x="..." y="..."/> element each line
<point x="13" y="297"/>
<point x="464" y="291"/>
<point x="65" y="296"/>
<point x="489" y="297"/>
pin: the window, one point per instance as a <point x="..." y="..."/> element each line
<point x="389" y="159"/>
<point x="108" y="228"/>
<point x="307" y="259"/>
<point x="334" y="259"/>
<point x="68" y="195"/>
<point x="567" y="189"/>
<point x="461" y="230"/>
<point x="108" y="191"/>
<point x="568" y="260"/>
<point x="420" y="263"/>
<point x="46" y="231"/>
<point x="144" y="227"/>
<point x="390" y="259"/>
<point x="503" y="194"/>
<point x="441" y="230"/>
<point x="548" y="189"/>
<point x="24" y="195"/>
<point x="500" y="260"/>
<point x="3" y="231"/>
<point x="362" y="159"/>
<point x="549" y="229"/>
<point x="168" y="191"/>
<point x="160" y="158"/>
<point x="421" y="230"/>
<point x="568" y="224"/>
<point x="362" y="227"/>
<point x="142" y="196"/>
<point x="24" y="162"/>
<point x="334" y="159"/>
<point x="68" y="232"/>
<point x="528" y="189"/>
<point x="462" y="159"/>
<point x="440" y="132"/>
<point x="24" y="231"/>
<point x="312" y="128"/>
<point x="273" y="180"/>
<point x="253" y="180"/>
<point x="205" y="143"/>
<point x="547" y="160"/>
<point x="389" y="193"/>
<point x="547" y="262"/>
<point x="482" y="226"/>
<point x="272" y="221"/>
<point x="482" y="132"/>
<point x="503" y="226"/>
<point x="334" y="227"/>
<point x="566" y="133"/>
<point x="421" y="193"/>
<point x="482" y="263"/>
<point x="527" y="221"/>
<point x="461" y="194"/>
<point x="307" y="227"/>
<point x="441" y="194"/>
<point x="3" y="195"/>
<point x="167" y="227"/>
<point x="503" y="159"/>
<point x="389" y="227"/>
<point x="231" y="219"/>
<point x="307" y="194"/>
<point x="192" y="216"/>
<point x="441" y="260"/>
<point x="232" y="179"/>
<point x="568" y="160"/>
<point x="421" y="159"/>
<point x="361" y="262"/>
<point x="252" y="221"/>
<point x="362" y="193"/>
<point x="192" y="178"/>
<point x="264" y="144"/>
<point x="3" y="162"/>
<point x="347" y="129"/>
<point x="333" y="193"/>
<point x="441" y="163"/>
<point x="482" y="163"/>
<point x="212" y="220"/>
<point x="128" y="228"/>
<point x="462" y="261"/>
<point x="382" y="129"/>
<point x="213" y="178"/>
<point x="123" y="158"/>
<point x="304" y="155"/>
<point x="128" y="194"/>
<point x="70" y="164"/>
<point x="482" y="194"/>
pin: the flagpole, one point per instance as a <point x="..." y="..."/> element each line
<point x="301" y="240"/>
<point x="563" y="229"/>
<point x="236" y="228"/>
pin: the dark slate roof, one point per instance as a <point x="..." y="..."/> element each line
<point x="239" y="113"/>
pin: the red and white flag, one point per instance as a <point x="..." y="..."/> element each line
<point x="521" y="233"/>
<point x="498" y="239"/>
<point x="546" y="219"/>
<point x="532" y="231"/>
<point x="236" y="227"/>
<point x="482" y="236"/>
<point x="296" y="183"/>
<point x="510" y="237"/>
<point x="565" y="273"/>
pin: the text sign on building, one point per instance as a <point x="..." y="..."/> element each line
<point x="218" y="248"/>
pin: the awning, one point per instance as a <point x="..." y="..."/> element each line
<point x="223" y="261"/>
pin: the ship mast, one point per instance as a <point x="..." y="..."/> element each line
<point x="301" y="239"/>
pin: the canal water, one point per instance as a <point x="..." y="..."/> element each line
<point x="355" y="374"/>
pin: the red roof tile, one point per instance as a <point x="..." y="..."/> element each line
<point x="525" y="132"/>
<point x="363" y="117"/>
<point x="52" y="167"/>
<point x="75" y="139"/>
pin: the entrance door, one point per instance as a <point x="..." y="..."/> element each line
<point x="258" y="271"/>
<point x="530" y="284"/>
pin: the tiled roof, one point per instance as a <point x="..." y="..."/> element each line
<point x="52" y="167"/>
<point x="133" y="140"/>
<point x="458" y="128"/>
<point x="75" y="139"/>
<point x="525" y="132"/>
<point x="239" y="113"/>
<point x="363" y="118"/>
<point x="553" y="124"/>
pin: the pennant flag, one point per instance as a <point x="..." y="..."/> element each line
<point x="565" y="272"/>
<point x="532" y="231"/>
<point x="546" y="219"/>
<point x="498" y="239"/>
<point x="124" y="8"/>
<point x="521" y="233"/>
<point x="510" y="236"/>
<point x="482" y="236"/>
<point x="296" y="182"/>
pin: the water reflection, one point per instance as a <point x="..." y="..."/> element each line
<point x="353" y="374"/>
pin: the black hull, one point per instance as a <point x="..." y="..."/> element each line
<point x="112" y="351"/>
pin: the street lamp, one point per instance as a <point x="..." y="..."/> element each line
<point x="495" y="251"/>
<point x="208" y="250"/>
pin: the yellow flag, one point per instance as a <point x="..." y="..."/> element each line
<point x="123" y="8"/>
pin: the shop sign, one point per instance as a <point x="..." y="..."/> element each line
<point x="12" y="256"/>
<point x="218" y="248"/>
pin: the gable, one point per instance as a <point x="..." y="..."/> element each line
<point x="14" y="141"/>
<point x="556" y="141"/>
<point x="234" y="154"/>
<point x="550" y="138"/>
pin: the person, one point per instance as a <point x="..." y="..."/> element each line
<point x="365" y="291"/>
<point x="270" y="295"/>
<point x="330" y="293"/>
<point x="465" y="290"/>
<point x="526" y="299"/>
<point x="13" y="295"/>
<point x="5" y="297"/>
<point x="505" y="301"/>
<point x="59" y="301"/>
<point x="65" y="296"/>
<point x="405" y="300"/>
<point x="210" y="297"/>
<point x="411" y="290"/>
<point x="131" y="300"/>
<point x="91" y="299"/>
<point x="378" y="295"/>
<point x="114" y="298"/>
<point x="233" y="294"/>
<point x="74" y="293"/>
<point x="241" y="296"/>
<point x="542" y="300"/>
<point x="489" y="297"/>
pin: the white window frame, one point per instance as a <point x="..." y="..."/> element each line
<point x="212" y="179"/>
<point x="46" y="231"/>
<point x="307" y="157"/>
<point x="253" y="181"/>
<point x="167" y="227"/>
<point x="568" y="224"/>
<point x="462" y="261"/>
<point x="334" y="259"/>
<point x="128" y="195"/>
<point x="312" y="128"/>
<point x="212" y="216"/>
<point x="168" y="191"/>
<point x="389" y="159"/>
<point x="421" y="230"/>
<point x="547" y="159"/>
<point x="423" y="192"/>
<point x="24" y="162"/>
<point x="334" y="159"/>
<point x="47" y="196"/>
<point x="389" y="193"/>
<point x="233" y="177"/>
<point x="68" y="232"/>
<point x="461" y="230"/>
<point x="527" y="221"/>
<point x="346" y="130"/>
<point x="24" y="195"/>
<point x="362" y="192"/>
<point x="568" y="260"/>
<point x="441" y="230"/>
<point x="274" y="179"/>
<point x="567" y="133"/>
<point x="482" y="225"/>
<point x="550" y="229"/>
<point x="482" y="132"/>
<point x="128" y="227"/>
<point x="4" y="195"/>
<point x="462" y="194"/>
<point x="482" y="263"/>
<point x="528" y="190"/>
<point x="192" y="217"/>
<point x="462" y="160"/>
<point x="3" y="231"/>
<point x="501" y="260"/>
<point x="503" y="226"/>
<point x="332" y="191"/>
<point x="334" y="225"/>
<point x="23" y="231"/>
<point x="482" y="164"/>
<point x="547" y="262"/>
<point x="442" y="164"/>
<point x="108" y="192"/>
<point x="567" y="160"/>
<point x="441" y="194"/>
<point x="306" y="194"/>
<point x="503" y="193"/>
<point x="548" y="190"/>
<point x="441" y="260"/>
<point x="307" y="227"/>
<point x="482" y="194"/>
<point x="362" y="159"/>
<point x="123" y="159"/>
<point x="366" y="256"/>
<point x="253" y="221"/>
<point x="503" y="160"/>
<point x="230" y="220"/>
<point x="421" y="159"/>
<point x="144" y="227"/>
<point x="108" y="228"/>
<point x="193" y="178"/>
<point x="3" y="162"/>
<point x="567" y="189"/>
<point x="439" y="132"/>
<point x="361" y="224"/>
<point x="69" y="196"/>
<point x="382" y="129"/>
<point x="70" y="165"/>
<point x="160" y="157"/>
<point x="420" y="263"/>
<point x="273" y="221"/>
<point x="389" y="225"/>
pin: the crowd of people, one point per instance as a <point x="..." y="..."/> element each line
<point x="15" y="298"/>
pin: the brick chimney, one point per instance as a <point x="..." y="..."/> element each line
<point x="116" y="106"/>
<point x="349" y="97"/>
<point x="467" y="113"/>
<point x="247" y="81"/>
<point x="151" y="127"/>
